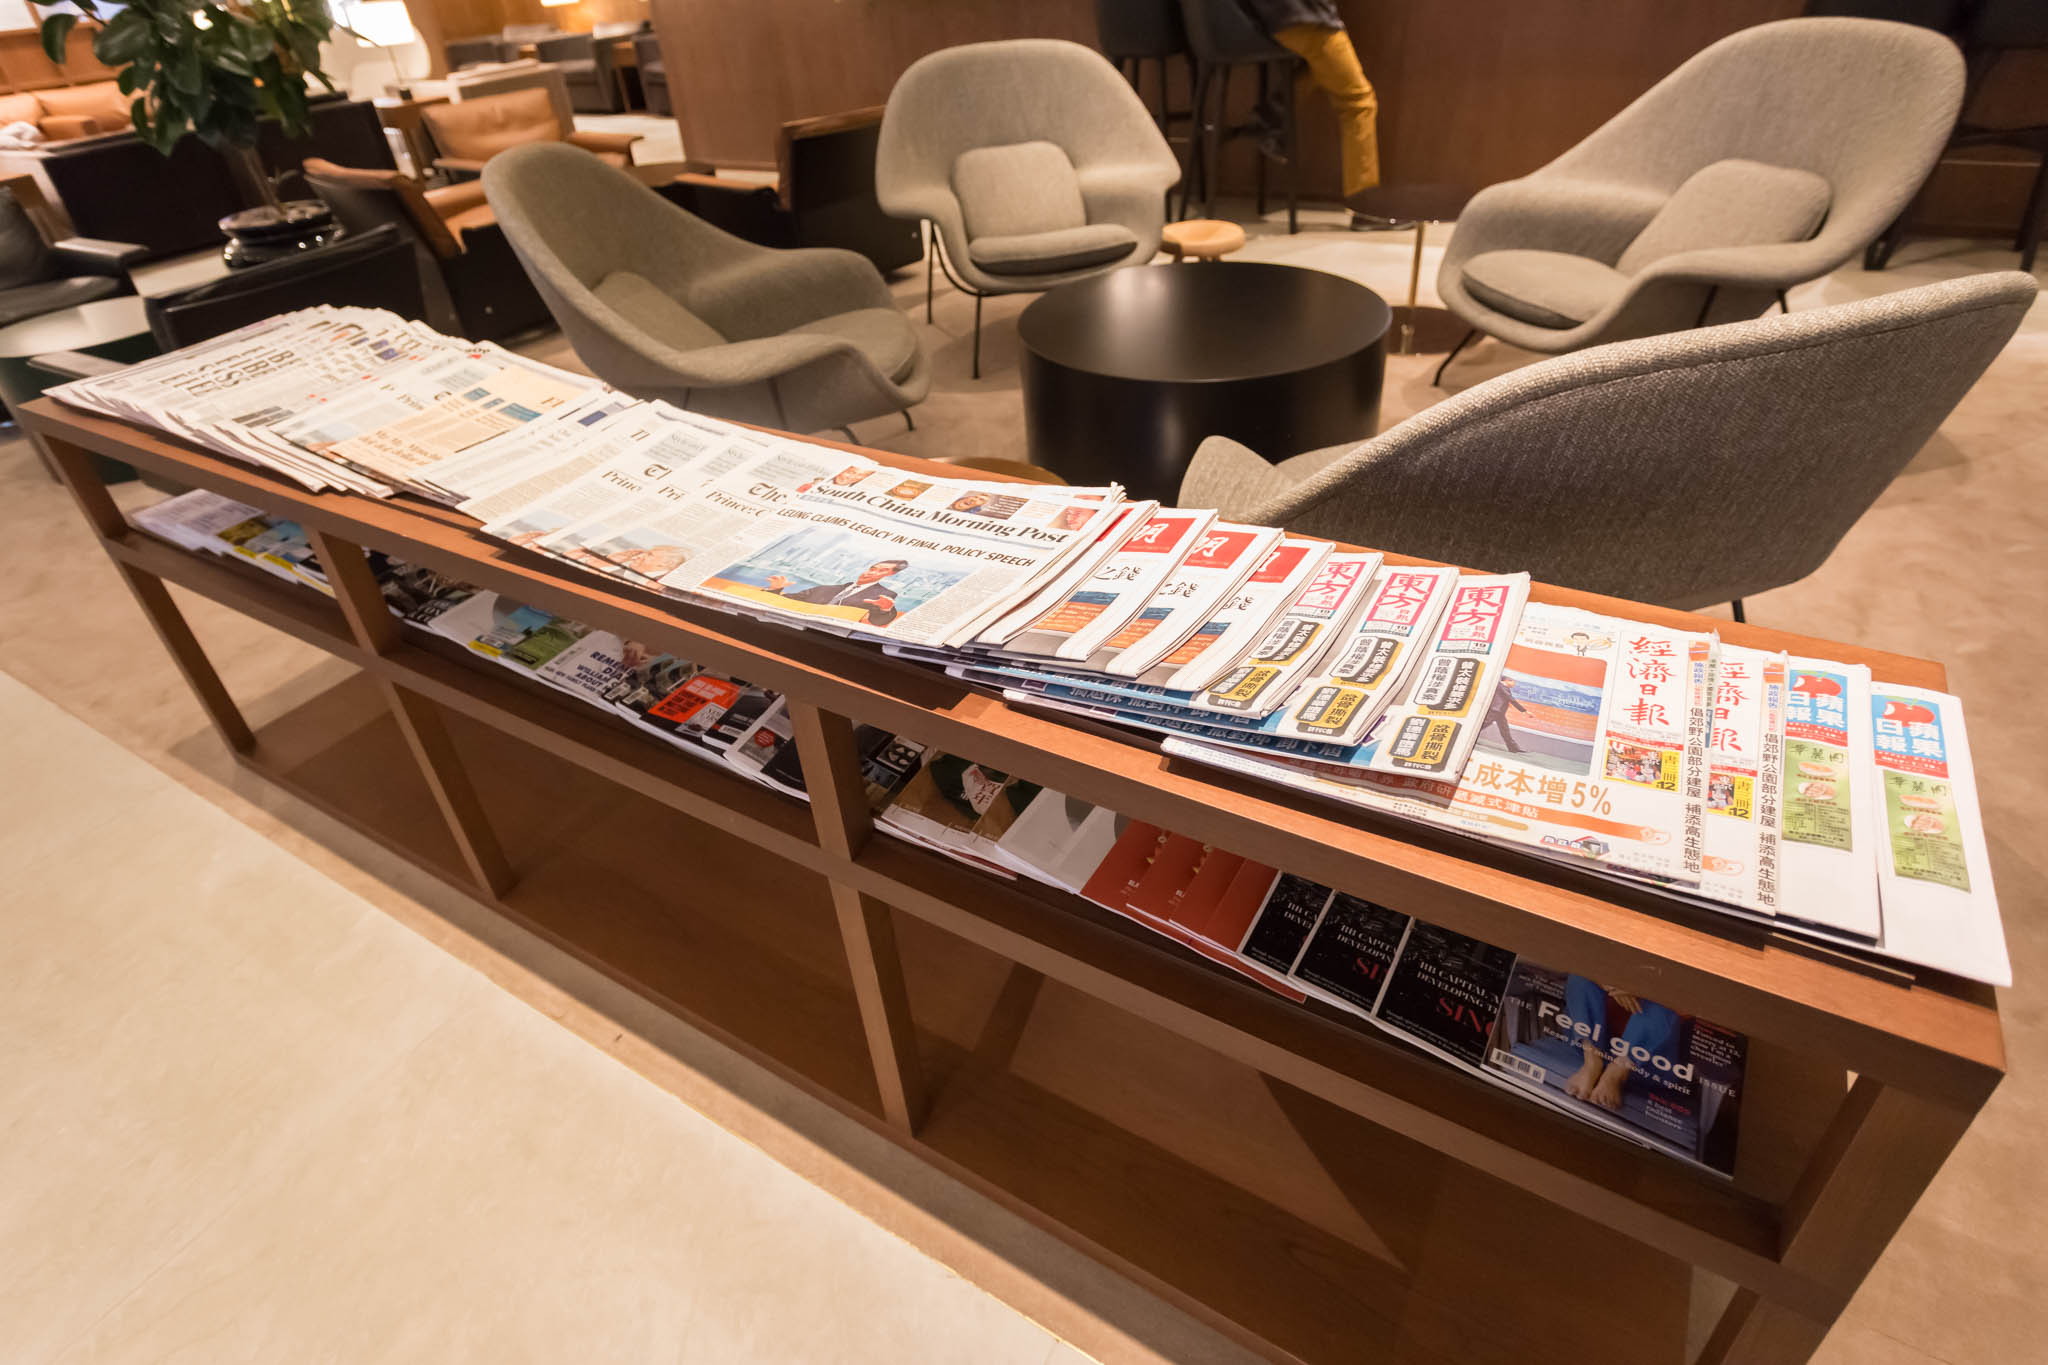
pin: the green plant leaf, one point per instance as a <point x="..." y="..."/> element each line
<point x="127" y="36"/>
<point x="56" y="31"/>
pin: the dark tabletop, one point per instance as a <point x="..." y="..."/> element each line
<point x="1210" y="321"/>
<point x="1429" y="203"/>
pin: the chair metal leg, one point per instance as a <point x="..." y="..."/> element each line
<point x="1713" y="292"/>
<point x="908" y="424"/>
<point x="2028" y="242"/>
<point x="1258" y="152"/>
<point x="1212" y="142"/>
<point x="931" y="258"/>
<point x="1783" y="305"/>
<point x="1191" y="178"/>
<point x="977" y="336"/>
<point x="1437" y="381"/>
<point x="1736" y="607"/>
<point x="1293" y="155"/>
<point x="851" y="439"/>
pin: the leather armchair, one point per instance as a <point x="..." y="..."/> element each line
<point x="587" y="71"/>
<point x="472" y="283"/>
<point x="824" y="196"/>
<point x="653" y="74"/>
<point x="463" y="52"/>
<point x="470" y="132"/>
<point x="40" y="276"/>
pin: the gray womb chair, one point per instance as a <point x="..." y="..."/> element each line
<point x="663" y="305"/>
<point x="1766" y="160"/>
<point x="1684" y="469"/>
<point x="1032" y="159"/>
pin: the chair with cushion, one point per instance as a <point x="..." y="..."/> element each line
<point x="468" y="133"/>
<point x="666" y="306"/>
<point x="473" y="285"/>
<point x="653" y="74"/>
<point x="1766" y="160"/>
<point x="1686" y="469"/>
<point x="363" y="270"/>
<point x="593" y="88"/>
<point x="1033" y="161"/>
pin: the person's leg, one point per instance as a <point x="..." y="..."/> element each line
<point x="1333" y="65"/>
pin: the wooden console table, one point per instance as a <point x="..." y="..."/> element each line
<point x="1310" y="1187"/>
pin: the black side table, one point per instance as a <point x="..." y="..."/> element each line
<point x="1126" y="373"/>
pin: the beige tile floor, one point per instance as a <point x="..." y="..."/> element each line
<point x="250" y="1117"/>
<point x="275" y="1140"/>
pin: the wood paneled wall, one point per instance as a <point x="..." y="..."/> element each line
<point x="737" y="69"/>
<point x="24" y="65"/>
<point x="1471" y="91"/>
<point x="470" y="18"/>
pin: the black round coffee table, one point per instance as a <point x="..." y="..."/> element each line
<point x="1125" y="374"/>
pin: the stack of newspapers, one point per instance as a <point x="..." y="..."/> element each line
<point x="1784" y="790"/>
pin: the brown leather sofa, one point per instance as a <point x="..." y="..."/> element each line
<point x="473" y="285"/>
<point x="68" y="111"/>
<point x="468" y="133"/>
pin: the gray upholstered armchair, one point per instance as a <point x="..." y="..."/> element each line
<point x="663" y="305"/>
<point x="1684" y="469"/>
<point x="1766" y="160"/>
<point x="1032" y="159"/>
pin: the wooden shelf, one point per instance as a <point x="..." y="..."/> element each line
<point x="1285" y="1172"/>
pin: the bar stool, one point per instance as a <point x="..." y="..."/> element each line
<point x="1221" y="36"/>
<point x="1200" y="239"/>
<point x="1987" y="33"/>
<point x="1140" y="31"/>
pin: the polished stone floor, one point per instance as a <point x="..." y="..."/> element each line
<point x="263" y="1096"/>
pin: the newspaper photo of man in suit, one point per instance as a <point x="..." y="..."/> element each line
<point x="869" y="590"/>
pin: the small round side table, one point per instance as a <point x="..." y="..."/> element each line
<point x="1200" y="239"/>
<point x="1418" y="330"/>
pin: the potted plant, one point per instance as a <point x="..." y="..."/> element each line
<point x="217" y="71"/>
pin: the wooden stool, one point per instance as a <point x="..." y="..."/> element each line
<point x="1200" y="239"/>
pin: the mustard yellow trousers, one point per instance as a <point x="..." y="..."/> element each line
<point x="1333" y="66"/>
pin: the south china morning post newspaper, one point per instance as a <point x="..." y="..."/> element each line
<point x="906" y="556"/>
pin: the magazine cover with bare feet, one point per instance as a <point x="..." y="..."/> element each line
<point x="1631" y="1065"/>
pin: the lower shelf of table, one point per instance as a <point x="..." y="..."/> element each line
<point x="1294" y="1225"/>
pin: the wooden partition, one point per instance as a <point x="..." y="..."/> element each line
<point x="1470" y="91"/>
<point x="1311" y="1187"/>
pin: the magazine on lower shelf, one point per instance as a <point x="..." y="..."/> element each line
<point x="1059" y="840"/>
<point x="1637" y="1068"/>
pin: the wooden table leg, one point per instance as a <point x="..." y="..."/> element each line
<point x="838" y="794"/>
<point x="75" y="467"/>
<point x="1877" y="1158"/>
<point x="420" y="720"/>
